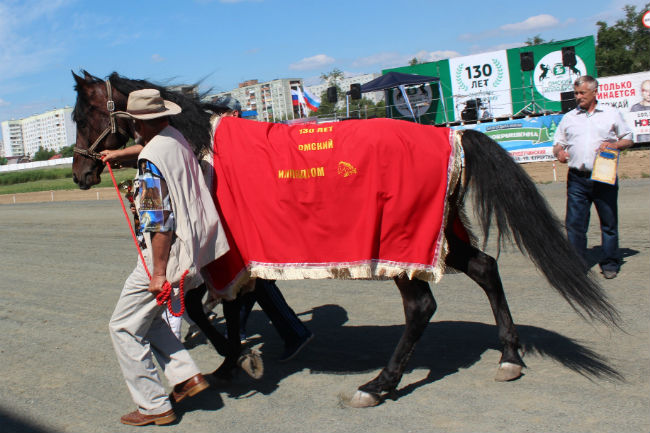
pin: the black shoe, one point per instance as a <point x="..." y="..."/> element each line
<point x="293" y="349"/>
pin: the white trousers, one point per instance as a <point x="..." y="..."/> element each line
<point x="138" y="331"/>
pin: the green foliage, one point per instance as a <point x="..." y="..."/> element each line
<point x="23" y="176"/>
<point x="333" y="77"/>
<point x="67" y="152"/>
<point x="624" y="47"/>
<point x="3" y="160"/>
<point x="52" y="179"/>
<point x="414" y="61"/>
<point x="536" y="40"/>
<point x="43" y="154"/>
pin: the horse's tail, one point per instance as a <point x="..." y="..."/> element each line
<point x="504" y="192"/>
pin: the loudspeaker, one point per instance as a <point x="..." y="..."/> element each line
<point x="527" y="61"/>
<point x="569" y="56"/>
<point x="331" y="95"/>
<point x="568" y="101"/>
<point x="355" y="91"/>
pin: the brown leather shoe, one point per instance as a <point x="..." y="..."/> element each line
<point x="189" y="388"/>
<point x="138" y="418"/>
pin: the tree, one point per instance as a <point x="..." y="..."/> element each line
<point x="536" y="40"/>
<point x="333" y="77"/>
<point x="43" y="154"/>
<point x="624" y="47"/>
<point x="3" y="160"/>
<point x="67" y="151"/>
<point x="414" y="61"/>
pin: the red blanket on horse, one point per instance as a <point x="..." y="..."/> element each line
<point x="352" y="199"/>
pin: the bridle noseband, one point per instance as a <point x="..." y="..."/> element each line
<point x="113" y="128"/>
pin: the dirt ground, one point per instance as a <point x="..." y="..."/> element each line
<point x="633" y="164"/>
<point x="63" y="264"/>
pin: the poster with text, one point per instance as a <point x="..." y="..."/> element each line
<point x="630" y="93"/>
<point x="483" y="78"/>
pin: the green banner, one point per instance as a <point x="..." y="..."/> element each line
<point x="535" y="91"/>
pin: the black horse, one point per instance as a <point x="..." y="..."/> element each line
<point x="503" y="194"/>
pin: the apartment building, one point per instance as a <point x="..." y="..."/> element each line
<point x="51" y="130"/>
<point x="269" y="101"/>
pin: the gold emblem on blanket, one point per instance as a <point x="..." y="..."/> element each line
<point x="346" y="169"/>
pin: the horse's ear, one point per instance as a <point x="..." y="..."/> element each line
<point x="87" y="76"/>
<point x="80" y="81"/>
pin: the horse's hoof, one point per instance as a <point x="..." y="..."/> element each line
<point x="360" y="399"/>
<point x="251" y="362"/>
<point x="508" y="371"/>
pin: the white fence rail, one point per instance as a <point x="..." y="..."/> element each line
<point x="35" y="164"/>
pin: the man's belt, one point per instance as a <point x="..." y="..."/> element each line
<point x="580" y="173"/>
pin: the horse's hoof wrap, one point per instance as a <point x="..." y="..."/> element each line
<point x="508" y="371"/>
<point x="251" y="362"/>
<point x="360" y="399"/>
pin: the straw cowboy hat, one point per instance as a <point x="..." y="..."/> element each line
<point x="148" y="104"/>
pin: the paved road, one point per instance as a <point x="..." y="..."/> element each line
<point x="63" y="264"/>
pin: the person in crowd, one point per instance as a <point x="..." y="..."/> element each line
<point x="582" y="133"/>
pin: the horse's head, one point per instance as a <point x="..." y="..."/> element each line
<point x="97" y="127"/>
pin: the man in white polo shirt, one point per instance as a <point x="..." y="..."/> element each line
<point x="582" y="133"/>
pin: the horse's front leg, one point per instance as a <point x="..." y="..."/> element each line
<point x="250" y="360"/>
<point x="419" y="306"/>
<point x="194" y="306"/>
<point x="228" y="348"/>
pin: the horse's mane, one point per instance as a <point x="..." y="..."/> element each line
<point x="193" y="122"/>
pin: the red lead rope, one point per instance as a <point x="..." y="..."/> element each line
<point x="166" y="294"/>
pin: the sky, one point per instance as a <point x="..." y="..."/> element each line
<point x="221" y="43"/>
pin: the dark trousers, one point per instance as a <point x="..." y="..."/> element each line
<point x="283" y="318"/>
<point x="581" y="193"/>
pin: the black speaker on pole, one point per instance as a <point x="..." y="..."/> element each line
<point x="355" y="91"/>
<point x="527" y="61"/>
<point x="331" y="95"/>
<point x="568" y="101"/>
<point x="569" y="56"/>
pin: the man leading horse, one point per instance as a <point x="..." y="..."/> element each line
<point x="180" y="232"/>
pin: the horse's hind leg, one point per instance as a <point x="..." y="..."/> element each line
<point x="419" y="306"/>
<point x="484" y="270"/>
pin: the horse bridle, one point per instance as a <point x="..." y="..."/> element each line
<point x="113" y="128"/>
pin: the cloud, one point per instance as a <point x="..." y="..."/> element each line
<point x="433" y="56"/>
<point x="531" y="24"/>
<point x="3" y="103"/>
<point x="157" y="58"/>
<point x="27" y="42"/>
<point x="392" y="59"/>
<point x="536" y="22"/>
<point x="314" y="62"/>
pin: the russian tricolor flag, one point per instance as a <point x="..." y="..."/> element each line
<point x="312" y="101"/>
<point x="294" y="97"/>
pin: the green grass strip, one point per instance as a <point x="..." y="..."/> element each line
<point x="49" y="181"/>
